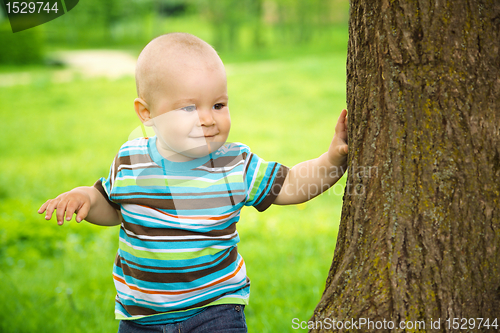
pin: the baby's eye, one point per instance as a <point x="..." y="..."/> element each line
<point x="189" y="108"/>
<point x="218" y="106"/>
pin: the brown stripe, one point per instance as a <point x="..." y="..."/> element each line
<point x="275" y="188"/>
<point x="177" y="277"/>
<point x="223" y="162"/>
<point x="147" y="231"/>
<point x="137" y="310"/>
<point x="264" y="191"/>
<point x="137" y="158"/>
<point x="181" y="204"/>
<point x="118" y="257"/>
<point x="248" y="164"/>
<point x="100" y="188"/>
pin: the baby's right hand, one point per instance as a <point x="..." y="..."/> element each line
<point x="74" y="201"/>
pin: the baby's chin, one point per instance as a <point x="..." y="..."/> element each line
<point x="202" y="150"/>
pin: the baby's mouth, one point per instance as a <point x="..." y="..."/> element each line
<point x="206" y="136"/>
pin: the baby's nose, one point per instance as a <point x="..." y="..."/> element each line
<point x="206" y="117"/>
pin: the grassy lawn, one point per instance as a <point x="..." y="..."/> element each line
<point x="56" y="136"/>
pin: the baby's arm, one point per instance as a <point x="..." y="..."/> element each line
<point x="87" y="202"/>
<point x="310" y="178"/>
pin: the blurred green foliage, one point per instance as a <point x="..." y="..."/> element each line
<point x="25" y="47"/>
<point x="232" y="26"/>
<point x="268" y="23"/>
<point x="97" y="23"/>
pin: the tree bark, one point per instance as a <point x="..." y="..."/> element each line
<point x="419" y="237"/>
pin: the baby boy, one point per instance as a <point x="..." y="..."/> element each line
<point x="178" y="195"/>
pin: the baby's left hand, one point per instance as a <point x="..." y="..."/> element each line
<point x="337" y="153"/>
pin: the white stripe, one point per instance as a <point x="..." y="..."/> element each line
<point x="234" y="296"/>
<point x="136" y="143"/>
<point x="136" y="165"/>
<point x="223" y="169"/>
<point x="186" y="238"/>
<point x="112" y="178"/>
<point x="235" y="146"/>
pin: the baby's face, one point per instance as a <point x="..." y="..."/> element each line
<point x="190" y="114"/>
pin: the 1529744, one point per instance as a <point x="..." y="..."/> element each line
<point x="471" y="323"/>
<point x="16" y="7"/>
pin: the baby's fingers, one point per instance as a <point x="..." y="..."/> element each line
<point x="61" y="209"/>
<point x="49" y="207"/>
<point x="43" y="207"/>
<point x="341" y="122"/>
<point x="344" y="149"/>
<point x="81" y="209"/>
<point x="82" y="212"/>
<point x="71" y="207"/>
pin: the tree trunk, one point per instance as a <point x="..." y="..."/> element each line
<point x="419" y="238"/>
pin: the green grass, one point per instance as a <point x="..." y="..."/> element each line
<point x="55" y="136"/>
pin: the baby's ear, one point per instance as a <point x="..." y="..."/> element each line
<point x="142" y="110"/>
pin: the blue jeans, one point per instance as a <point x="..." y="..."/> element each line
<point x="224" y="318"/>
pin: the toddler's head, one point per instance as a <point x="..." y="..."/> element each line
<point x="182" y="94"/>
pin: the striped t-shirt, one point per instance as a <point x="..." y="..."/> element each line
<point x="177" y="250"/>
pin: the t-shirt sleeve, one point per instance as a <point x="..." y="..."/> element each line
<point x="263" y="181"/>
<point x="105" y="185"/>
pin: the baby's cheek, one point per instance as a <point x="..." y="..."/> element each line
<point x="224" y="124"/>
